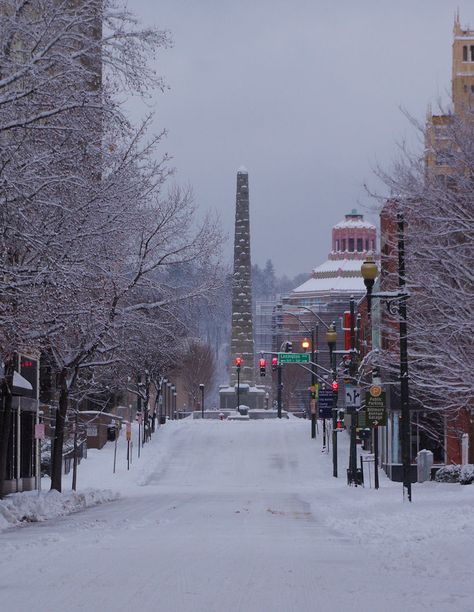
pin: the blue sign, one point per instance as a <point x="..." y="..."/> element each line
<point x="325" y="403"/>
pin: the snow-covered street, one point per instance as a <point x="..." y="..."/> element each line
<point x="243" y="516"/>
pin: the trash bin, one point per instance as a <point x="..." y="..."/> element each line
<point x="162" y="419"/>
<point x="111" y="433"/>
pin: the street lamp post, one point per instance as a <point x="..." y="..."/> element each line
<point x="305" y="344"/>
<point x="173" y="402"/>
<point x="396" y="304"/>
<point x="168" y="399"/>
<point x="331" y="339"/>
<point x="201" y="386"/>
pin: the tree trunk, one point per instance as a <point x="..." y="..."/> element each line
<point x="5" y="419"/>
<point x="57" y="450"/>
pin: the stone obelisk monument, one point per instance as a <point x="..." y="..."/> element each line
<point x="242" y="324"/>
<point x="242" y="344"/>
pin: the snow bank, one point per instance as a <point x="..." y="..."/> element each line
<point x="29" y="507"/>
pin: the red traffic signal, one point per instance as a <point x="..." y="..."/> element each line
<point x="238" y="362"/>
<point x="274" y="363"/>
<point x="263" y="366"/>
<point x="335" y="386"/>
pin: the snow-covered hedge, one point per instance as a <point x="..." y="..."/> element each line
<point x="463" y="474"/>
<point x="467" y="474"/>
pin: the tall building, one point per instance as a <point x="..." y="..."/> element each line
<point x="440" y="147"/>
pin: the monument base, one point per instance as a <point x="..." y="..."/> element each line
<point x="252" y="397"/>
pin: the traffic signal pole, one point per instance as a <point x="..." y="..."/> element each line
<point x="279" y="388"/>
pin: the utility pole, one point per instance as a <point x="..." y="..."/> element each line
<point x="404" y="393"/>
<point x="352" y="471"/>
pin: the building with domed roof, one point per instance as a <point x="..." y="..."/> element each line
<point x="323" y="299"/>
<point x="352" y="241"/>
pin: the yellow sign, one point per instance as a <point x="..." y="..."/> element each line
<point x="375" y="390"/>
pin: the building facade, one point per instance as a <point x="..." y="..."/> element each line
<point x="322" y="300"/>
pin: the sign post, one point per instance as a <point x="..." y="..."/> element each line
<point x="325" y="409"/>
<point x="376" y="415"/>
<point x="129" y="437"/>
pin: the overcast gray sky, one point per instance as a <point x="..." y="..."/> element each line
<point x="306" y="94"/>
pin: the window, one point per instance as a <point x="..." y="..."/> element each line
<point x="373" y="245"/>
<point x="472" y="53"/>
<point x="366" y="245"/>
<point x="343" y="244"/>
<point x="351" y="245"/>
<point x="472" y="88"/>
<point x="465" y="88"/>
<point x="360" y="243"/>
<point x="337" y="245"/>
<point x="464" y="53"/>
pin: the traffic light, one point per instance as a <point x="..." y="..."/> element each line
<point x="305" y="344"/>
<point x="263" y="366"/>
<point x="335" y="387"/>
<point x="288" y="347"/>
<point x="238" y="362"/>
<point x="274" y="363"/>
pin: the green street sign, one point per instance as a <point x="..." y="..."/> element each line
<point x="375" y="410"/>
<point x="293" y="358"/>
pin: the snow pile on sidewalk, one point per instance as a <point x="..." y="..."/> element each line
<point x="29" y="507"/>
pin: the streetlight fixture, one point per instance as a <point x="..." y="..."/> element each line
<point x="369" y="273"/>
<point x="396" y="304"/>
<point x="201" y="386"/>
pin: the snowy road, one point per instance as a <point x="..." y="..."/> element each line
<point x="236" y="517"/>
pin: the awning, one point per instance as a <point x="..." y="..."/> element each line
<point x="20" y="384"/>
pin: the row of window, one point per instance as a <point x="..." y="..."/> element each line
<point x="468" y="53"/>
<point x="351" y="243"/>
<point x="467" y="88"/>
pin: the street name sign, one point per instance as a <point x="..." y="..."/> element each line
<point x="293" y="358"/>
<point x="375" y="407"/>
<point x="325" y="403"/>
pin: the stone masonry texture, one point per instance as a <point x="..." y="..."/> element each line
<point x="242" y="324"/>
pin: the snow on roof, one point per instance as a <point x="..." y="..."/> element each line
<point x="354" y="223"/>
<point x="353" y="284"/>
<point x="242" y="170"/>
<point x="343" y="265"/>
